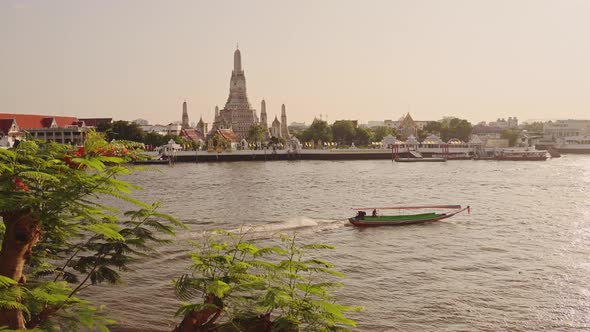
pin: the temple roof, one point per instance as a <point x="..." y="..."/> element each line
<point x="228" y="134"/>
<point x="192" y="134"/>
<point x="276" y="122"/>
<point x="407" y="121"/>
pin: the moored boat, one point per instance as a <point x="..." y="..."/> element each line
<point x="521" y="155"/>
<point x="419" y="160"/>
<point x="363" y="220"/>
<point x="574" y="144"/>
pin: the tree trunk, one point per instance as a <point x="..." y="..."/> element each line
<point x="202" y="320"/>
<point x="22" y="233"/>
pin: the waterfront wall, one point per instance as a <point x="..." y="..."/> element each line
<point x="307" y="154"/>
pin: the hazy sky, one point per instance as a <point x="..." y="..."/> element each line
<point x="365" y="60"/>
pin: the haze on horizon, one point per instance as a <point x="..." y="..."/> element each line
<point x="365" y="60"/>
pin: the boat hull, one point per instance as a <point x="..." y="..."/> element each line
<point x="369" y="223"/>
<point x="366" y="221"/>
<point x="420" y="160"/>
<point x="542" y="158"/>
<point x="573" y="150"/>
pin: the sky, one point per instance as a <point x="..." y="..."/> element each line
<point x="363" y="60"/>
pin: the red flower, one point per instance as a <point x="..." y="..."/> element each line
<point x="20" y="184"/>
<point x="80" y="151"/>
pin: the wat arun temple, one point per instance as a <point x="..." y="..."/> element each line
<point x="238" y="115"/>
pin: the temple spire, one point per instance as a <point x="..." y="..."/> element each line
<point x="185" y="123"/>
<point x="237" y="61"/>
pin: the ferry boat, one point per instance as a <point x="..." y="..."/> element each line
<point x="574" y="144"/>
<point x="521" y="155"/>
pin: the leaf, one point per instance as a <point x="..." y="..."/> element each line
<point x="109" y="231"/>
<point x="218" y="288"/>
<point x="318" y="246"/>
<point x="6" y="282"/>
<point x="39" y="176"/>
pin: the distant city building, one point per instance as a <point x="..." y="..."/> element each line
<point x="372" y="124"/>
<point x="171" y="129"/>
<point x="505" y="124"/>
<point x="95" y="122"/>
<point x="298" y="125"/>
<point x="60" y="129"/>
<point x="565" y="128"/>
<point x="238" y="114"/>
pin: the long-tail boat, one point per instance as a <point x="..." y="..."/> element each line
<point x="364" y="220"/>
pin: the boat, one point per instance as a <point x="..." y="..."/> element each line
<point x="574" y="144"/>
<point x="363" y="220"/>
<point x="419" y="160"/>
<point x="521" y="155"/>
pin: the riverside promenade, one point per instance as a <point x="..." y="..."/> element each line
<point x="270" y="155"/>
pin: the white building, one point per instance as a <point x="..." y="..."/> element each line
<point x="565" y="128"/>
<point x="171" y="129"/>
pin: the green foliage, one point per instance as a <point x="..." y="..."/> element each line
<point x="362" y="137"/>
<point x="124" y="130"/>
<point x="448" y="128"/>
<point x="256" y="133"/>
<point x="511" y="135"/>
<point x="219" y="143"/>
<point x="10" y="295"/>
<point x="319" y="130"/>
<point x="84" y="242"/>
<point x="344" y="131"/>
<point x="248" y="281"/>
<point x="381" y="131"/>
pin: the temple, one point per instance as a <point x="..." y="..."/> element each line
<point x="238" y="115"/>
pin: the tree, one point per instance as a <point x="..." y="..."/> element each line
<point x="124" y="130"/>
<point x="510" y="135"/>
<point x="381" y="131"/>
<point x="56" y="226"/>
<point x="451" y="128"/>
<point x="422" y="134"/>
<point x="256" y="133"/>
<point x="319" y="130"/>
<point x="343" y="131"/>
<point x="433" y="127"/>
<point x="218" y="143"/>
<point x="262" y="289"/>
<point x="362" y="136"/>
<point x="155" y="139"/>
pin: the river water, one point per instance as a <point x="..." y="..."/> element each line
<point x="519" y="262"/>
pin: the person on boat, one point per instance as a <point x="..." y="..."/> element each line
<point x="361" y="215"/>
<point x="374" y="212"/>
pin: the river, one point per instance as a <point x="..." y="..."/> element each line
<point x="519" y="262"/>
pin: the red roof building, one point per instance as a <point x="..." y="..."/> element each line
<point x="229" y="135"/>
<point x="61" y="129"/>
<point x="193" y="134"/>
